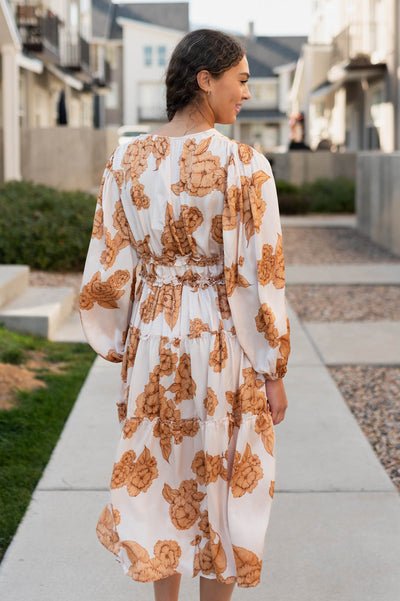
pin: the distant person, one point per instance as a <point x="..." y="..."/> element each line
<point x="184" y="284"/>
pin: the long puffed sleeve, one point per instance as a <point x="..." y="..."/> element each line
<point x="107" y="291"/>
<point x="254" y="263"/>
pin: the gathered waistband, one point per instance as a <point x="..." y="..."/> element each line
<point x="197" y="275"/>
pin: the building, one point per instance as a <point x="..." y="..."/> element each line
<point x="264" y="119"/>
<point x="137" y="41"/>
<point x="346" y="80"/>
<point x="47" y="78"/>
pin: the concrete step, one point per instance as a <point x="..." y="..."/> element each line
<point x="40" y="310"/>
<point x="13" y="282"/>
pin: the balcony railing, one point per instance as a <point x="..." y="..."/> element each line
<point x="39" y="32"/>
<point x="356" y="40"/>
<point x="77" y="55"/>
<point x="107" y="72"/>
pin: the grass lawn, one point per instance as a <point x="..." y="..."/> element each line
<point x="39" y="383"/>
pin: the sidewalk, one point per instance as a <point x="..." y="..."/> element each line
<point x="334" y="533"/>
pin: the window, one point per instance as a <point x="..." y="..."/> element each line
<point x="162" y="56"/>
<point x="148" y="56"/>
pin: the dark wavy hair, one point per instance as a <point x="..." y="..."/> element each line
<point x="207" y="49"/>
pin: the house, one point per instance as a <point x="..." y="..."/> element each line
<point x="346" y="80"/>
<point x="46" y="78"/>
<point x="137" y="41"/>
<point x="264" y="119"/>
<point x="10" y="47"/>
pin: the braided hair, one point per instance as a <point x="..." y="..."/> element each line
<point x="203" y="49"/>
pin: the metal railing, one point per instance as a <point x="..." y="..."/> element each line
<point x="39" y="33"/>
<point x="76" y="55"/>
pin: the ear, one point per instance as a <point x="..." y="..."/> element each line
<point x="204" y="80"/>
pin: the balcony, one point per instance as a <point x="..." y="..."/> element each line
<point x="76" y="55"/>
<point x="39" y="32"/>
<point x="358" y="41"/>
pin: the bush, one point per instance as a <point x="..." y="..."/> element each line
<point x="44" y="228"/>
<point x="331" y="195"/>
<point x="292" y="201"/>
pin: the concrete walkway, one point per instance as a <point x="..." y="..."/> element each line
<point x="334" y="533"/>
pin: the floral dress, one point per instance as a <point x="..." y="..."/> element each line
<point x="184" y="285"/>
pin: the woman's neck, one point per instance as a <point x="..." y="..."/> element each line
<point x="189" y="120"/>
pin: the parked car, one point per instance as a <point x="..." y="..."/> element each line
<point x="127" y="132"/>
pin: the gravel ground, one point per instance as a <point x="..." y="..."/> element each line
<point x="317" y="245"/>
<point x="373" y="395"/>
<point x="345" y="303"/>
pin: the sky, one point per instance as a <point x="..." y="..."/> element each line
<point x="277" y="17"/>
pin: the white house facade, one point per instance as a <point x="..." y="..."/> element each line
<point x="346" y="80"/>
<point x="264" y="119"/>
<point x="146" y="52"/>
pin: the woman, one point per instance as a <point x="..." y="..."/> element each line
<point x="184" y="284"/>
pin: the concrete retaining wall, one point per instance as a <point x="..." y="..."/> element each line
<point x="74" y="158"/>
<point x="299" y="166"/>
<point x="1" y="155"/>
<point x="378" y="198"/>
<point x="64" y="157"/>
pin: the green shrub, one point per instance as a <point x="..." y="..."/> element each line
<point x="292" y="201"/>
<point x="331" y="195"/>
<point x="43" y="227"/>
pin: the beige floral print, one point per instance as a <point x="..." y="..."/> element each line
<point x="233" y="278"/>
<point x="106" y="532"/>
<point x="130" y="427"/>
<point x="246" y="473"/>
<point x="211" y="401"/>
<point x="222" y="301"/>
<point x="151" y="400"/>
<point x="271" y="267"/>
<point x="265" y="322"/>
<point x="208" y="467"/>
<point x="184" y="387"/>
<point x="201" y="171"/>
<point x="98" y="231"/>
<point x="138" y="475"/>
<point x="138" y="197"/>
<point x="248" y="567"/>
<point x="216" y="229"/>
<point x="219" y="354"/>
<point x="184" y="503"/>
<point x="146" y="569"/>
<point x="271" y="489"/>
<point x="120" y="222"/>
<point x="105" y="293"/>
<point x="265" y="428"/>
<point x="245" y="153"/>
<point x="130" y="352"/>
<point x="197" y="327"/>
